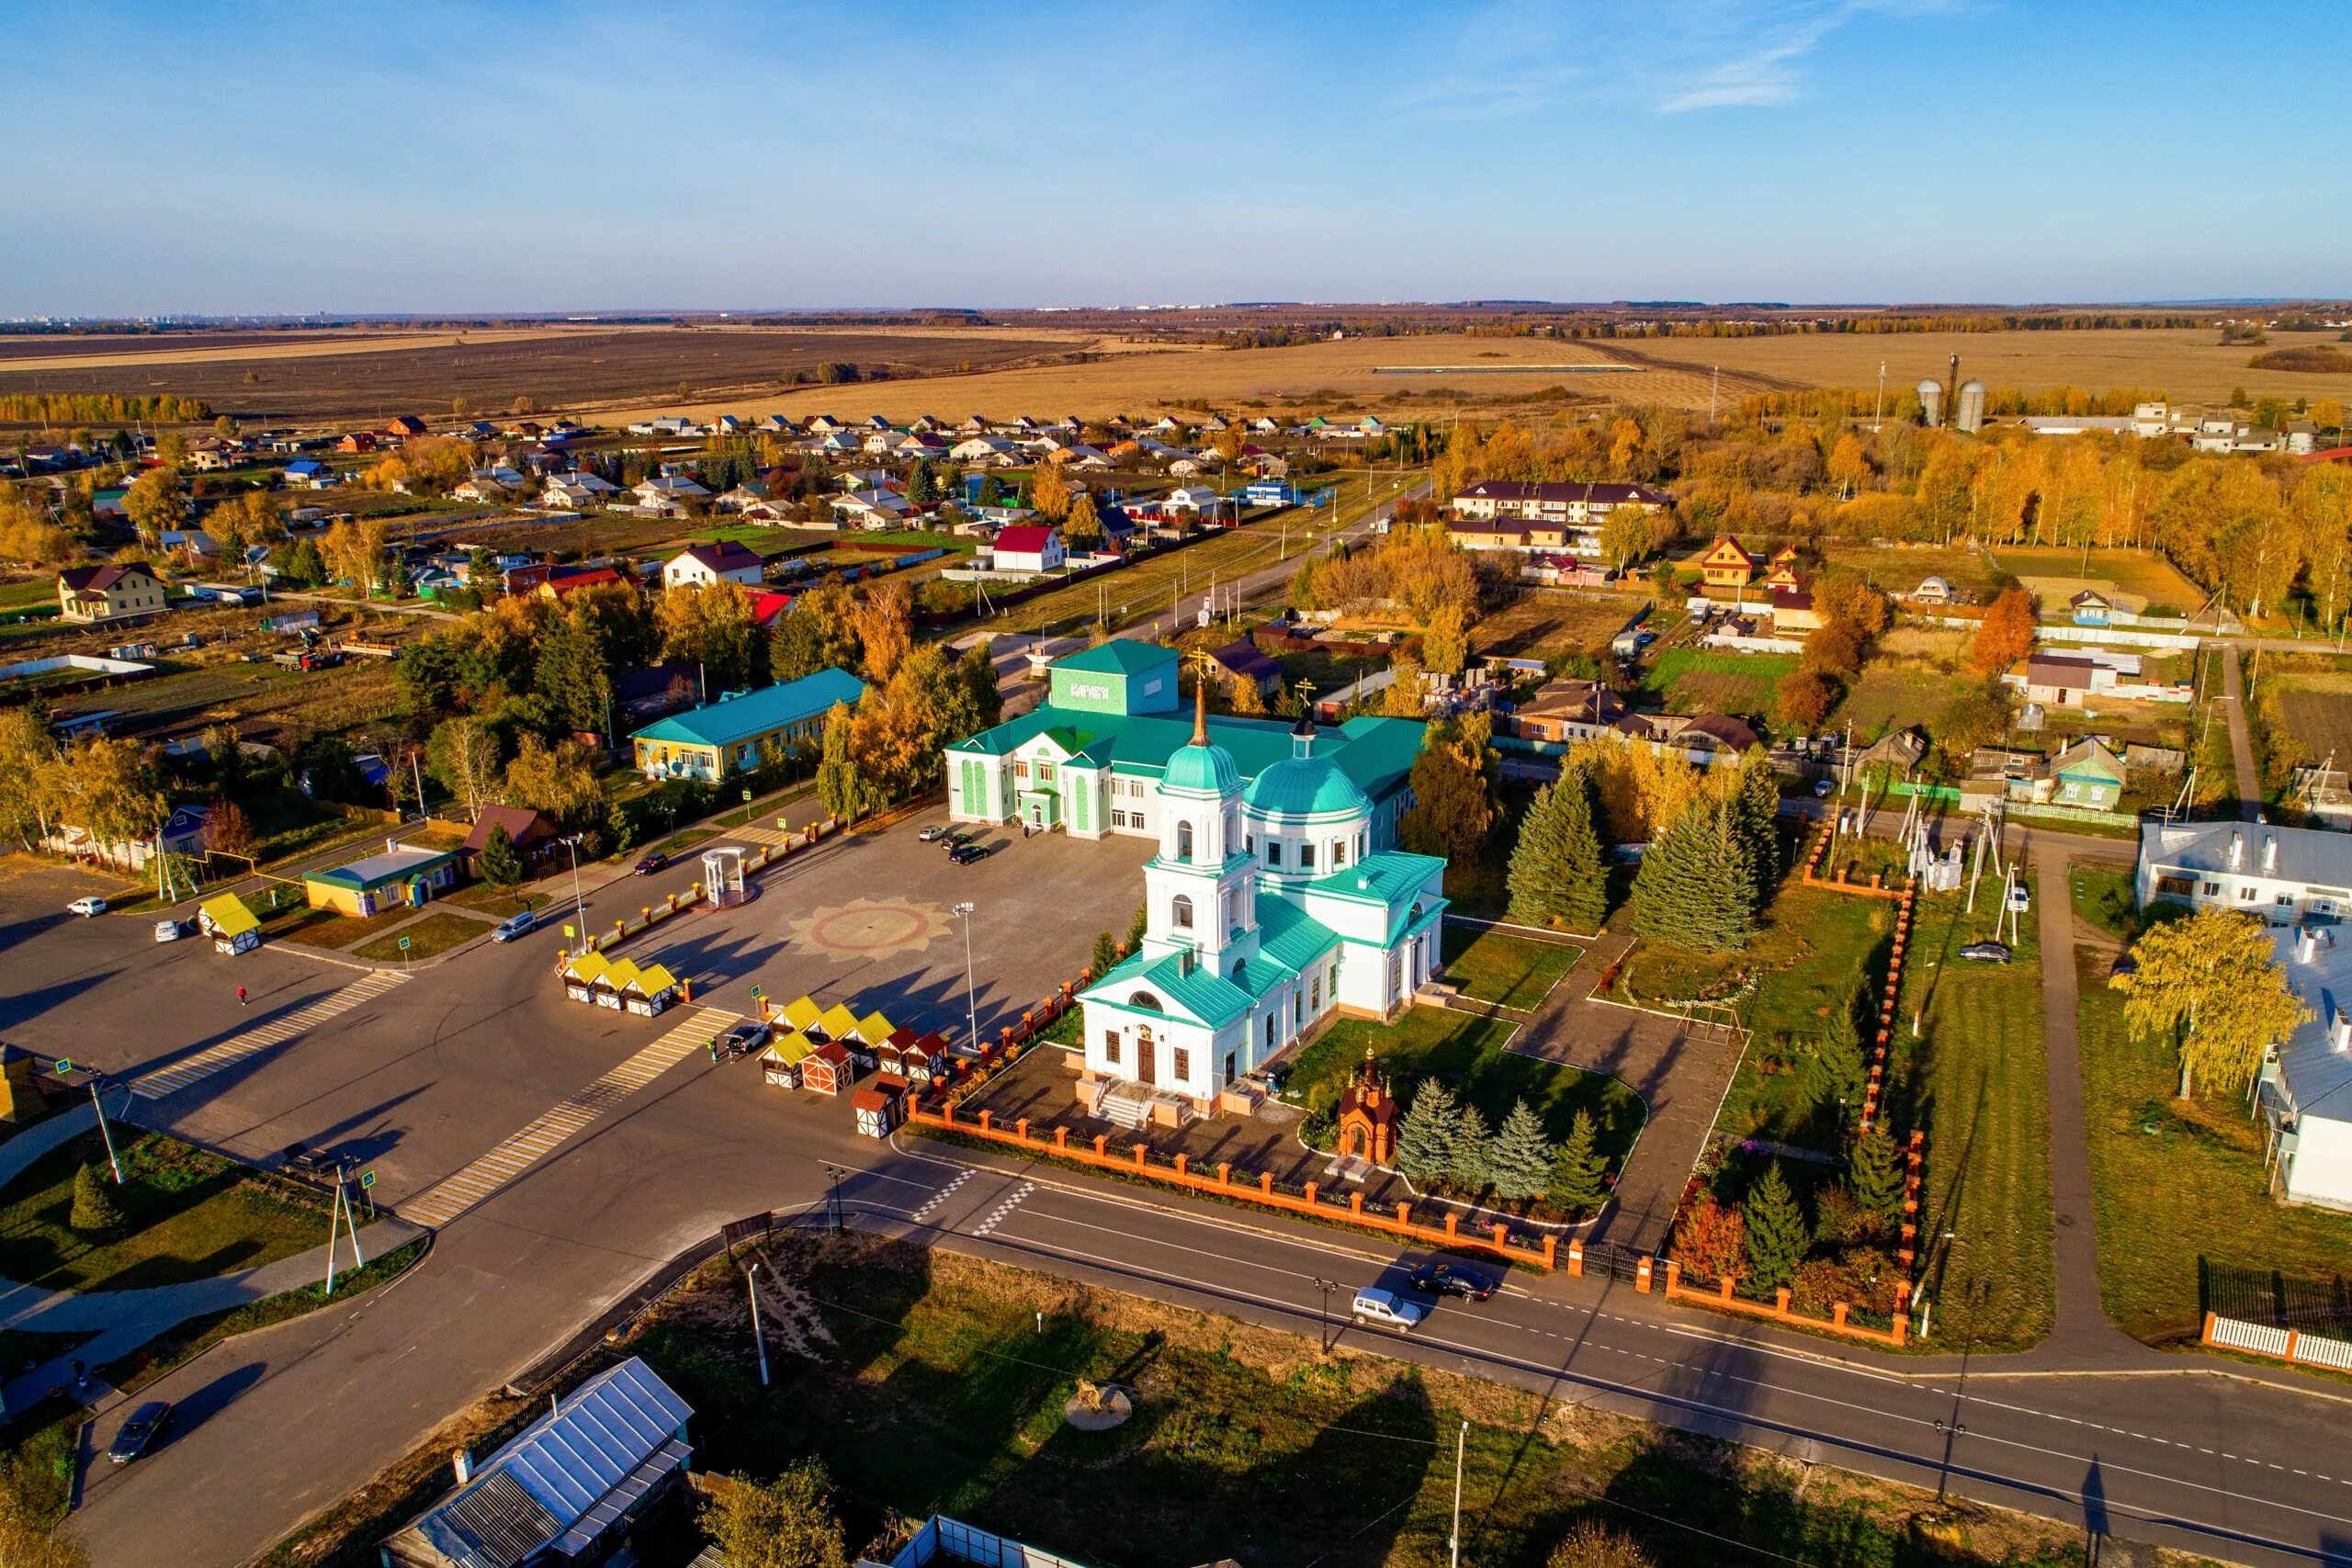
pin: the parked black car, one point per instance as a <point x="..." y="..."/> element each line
<point x="965" y="854"/>
<point x="1987" y="951"/>
<point x="137" y="1434"/>
<point x="1452" y="1279"/>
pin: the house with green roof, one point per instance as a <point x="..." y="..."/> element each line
<point x="1272" y="904"/>
<point x="739" y="733"/>
<point x="1091" y="758"/>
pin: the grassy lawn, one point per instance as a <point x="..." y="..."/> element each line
<point x="1694" y="680"/>
<point x="324" y="927"/>
<point x="929" y="1386"/>
<point x="1471" y="1053"/>
<point x="438" y="932"/>
<point x="1891" y="697"/>
<point x="1490" y="966"/>
<point x="504" y="901"/>
<point x="190" y="1215"/>
<point x="758" y="810"/>
<point x="2179" y="1187"/>
<point x="2103" y="898"/>
<point x="1975" y="1078"/>
<point x="196" y="1335"/>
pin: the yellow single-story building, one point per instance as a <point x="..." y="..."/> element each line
<point x="400" y="876"/>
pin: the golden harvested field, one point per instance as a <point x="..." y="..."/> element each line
<point x="1544" y="621"/>
<point x="1138" y="379"/>
<point x="2187" y="364"/>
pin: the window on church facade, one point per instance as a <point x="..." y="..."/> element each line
<point x="1339" y="853"/>
<point x="1184" y="840"/>
<point x="1111" y="1047"/>
<point x="1180" y="912"/>
<point x="1182" y="1063"/>
<point x="1274" y="853"/>
<point x="1306" y="857"/>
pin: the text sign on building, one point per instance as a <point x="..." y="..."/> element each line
<point x="1086" y="689"/>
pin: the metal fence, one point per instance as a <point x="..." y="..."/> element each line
<point x="2265" y="1296"/>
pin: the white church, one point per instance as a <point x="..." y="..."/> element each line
<point x="1269" y="908"/>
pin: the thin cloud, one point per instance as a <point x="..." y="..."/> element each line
<point x="1763" y="73"/>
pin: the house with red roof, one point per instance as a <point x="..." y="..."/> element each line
<point x="1031" y="546"/>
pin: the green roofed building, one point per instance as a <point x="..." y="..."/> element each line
<point x="1271" y="904"/>
<point x="739" y="733"/>
<point x="1092" y="758"/>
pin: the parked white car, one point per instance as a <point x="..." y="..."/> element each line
<point x="170" y="930"/>
<point x="86" y="907"/>
<point x="1388" y="1309"/>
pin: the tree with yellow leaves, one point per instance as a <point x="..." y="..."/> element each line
<point x="2209" y="986"/>
<point x="1049" y="492"/>
<point x="885" y="627"/>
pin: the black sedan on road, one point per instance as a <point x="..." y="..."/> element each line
<point x="137" y="1434"/>
<point x="652" y="863"/>
<point x="1452" y="1279"/>
<point x="965" y="854"/>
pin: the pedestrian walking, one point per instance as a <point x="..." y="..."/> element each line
<point x="241" y="996"/>
<point x="81" y="1375"/>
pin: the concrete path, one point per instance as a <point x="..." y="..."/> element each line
<point x="2241" y="737"/>
<point x="2080" y="1334"/>
<point x="122" y="1321"/>
<point x="19" y="1153"/>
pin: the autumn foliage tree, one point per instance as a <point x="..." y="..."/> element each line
<point x="1710" y="1241"/>
<point x="2209" y="986"/>
<point x="2006" y="635"/>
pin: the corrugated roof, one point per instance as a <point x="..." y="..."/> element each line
<point x="1120" y="656"/>
<point x="1203" y="994"/>
<point x="618" y="1433"/>
<point x="1290" y="936"/>
<point x="1376" y="753"/>
<point x="758" y="713"/>
<point x="384" y="866"/>
<point x="229" y="915"/>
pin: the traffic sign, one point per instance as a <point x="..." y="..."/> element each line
<point x="403" y="944"/>
<point x="756" y="992"/>
<point x="567" y="933"/>
<point x="367" y="1178"/>
<point x="64" y="1064"/>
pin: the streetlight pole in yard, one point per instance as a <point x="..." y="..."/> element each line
<point x="1454" y="1541"/>
<point x="758" y="1341"/>
<point x="971" y="1003"/>
<point x="103" y="1130"/>
<point x="579" y="904"/>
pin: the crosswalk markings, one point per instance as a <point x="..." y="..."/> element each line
<point x="997" y="1214"/>
<point x="277" y="1030"/>
<point x="760" y="835"/>
<point x="457" y="1193"/>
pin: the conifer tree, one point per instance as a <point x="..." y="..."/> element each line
<point x="1758" y="802"/>
<point x="1425" y="1138"/>
<point x="1556" y="876"/>
<point x="94" y="1209"/>
<point x="1578" y="1187"/>
<point x="498" y="864"/>
<point x="1874" y="1177"/>
<point x="1776" y="1238"/>
<point x="1519" y="1162"/>
<point x="1472" y="1151"/>
<point x="1697" y="886"/>
<point x="1106" y="954"/>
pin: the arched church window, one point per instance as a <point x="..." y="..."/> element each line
<point x="1180" y="912"/>
<point x="1184" y="841"/>
<point x="1147" y="1001"/>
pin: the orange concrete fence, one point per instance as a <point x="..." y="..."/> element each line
<point x="1721" y="1298"/>
<point x="1177" y="1173"/>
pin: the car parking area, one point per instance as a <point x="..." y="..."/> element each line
<point x="868" y="919"/>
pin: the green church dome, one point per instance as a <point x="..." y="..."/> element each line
<point x="1202" y="769"/>
<point x="1303" y="786"/>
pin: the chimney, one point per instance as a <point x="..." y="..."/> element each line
<point x="2306" y="944"/>
<point x="2270" y="852"/>
<point x="463" y="1463"/>
<point x="2339" y="1034"/>
<point x="2237" y="850"/>
<point x="1184" y="962"/>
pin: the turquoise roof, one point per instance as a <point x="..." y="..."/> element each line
<point x="1305" y="787"/>
<point x="1374" y="753"/>
<point x="1203" y="770"/>
<point x="1118" y="656"/>
<point x="1203" y="995"/>
<point x="1386" y="877"/>
<point x="763" y="712"/>
<point x="1291" y="937"/>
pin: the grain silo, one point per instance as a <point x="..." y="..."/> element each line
<point x="1968" y="408"/>
<point x="1931" y="403"/>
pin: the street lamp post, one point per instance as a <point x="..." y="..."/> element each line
<point x="1323" y="1330"/>
<point x="758" y="1341"/>
<point x="971" y="1003"/>
<point x="579" y="903"/>
<point x="834" y="1177"/>
<point x="1454" y="1542"/>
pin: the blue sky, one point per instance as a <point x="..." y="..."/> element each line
<point x="348" y="157"/>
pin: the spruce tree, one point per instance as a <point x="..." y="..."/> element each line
<point x="1776" y="1238"/>
<point x="1758" y="804"/>
<point x="1556" y="876"/>
<point x="1425" y="1138"/>
<point x="1576" y="1186"/>
<point x="1136" y="927"/>
<point x="1838" y="1071"/>
<point x="498" y="864"/>
<point x="94" y="1209"/>
<point x="1106" y="954"/>
<point x="1697" y="886"/>
<point x="1875" y="1178"/>
<point x="1519" y="1162"/>
<point x="1473" y="1153"/>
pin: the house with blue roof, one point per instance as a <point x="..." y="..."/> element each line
<point x="1274" y="901"/>
<point x="739" y="733"/>
<point x="1091" y="758"/>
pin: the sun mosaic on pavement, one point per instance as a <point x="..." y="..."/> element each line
<point x="870" y="928"/>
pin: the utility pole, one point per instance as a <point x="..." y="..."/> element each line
<point x="1323" y="1331"/>
<point x="971" y="1002"/>
<point x="103" y="1130"/>
<point x="1878" y="404"/>
<point x="758" y="1340"/>
<point x="1454" y="1541"/>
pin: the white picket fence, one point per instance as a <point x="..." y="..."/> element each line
<point x="2285" y="1344"/>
